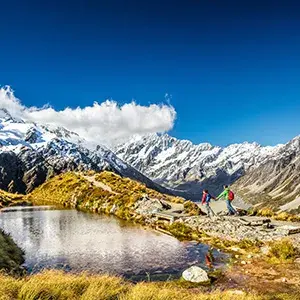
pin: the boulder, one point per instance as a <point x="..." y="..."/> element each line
<point x="148" y="206"/>
<point x="195" y="274"/>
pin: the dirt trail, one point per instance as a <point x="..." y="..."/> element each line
<point x="98" y="183"/>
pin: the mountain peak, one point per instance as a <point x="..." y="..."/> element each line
<point x="187" y="167"/>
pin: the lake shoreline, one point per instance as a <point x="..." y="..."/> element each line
<point x="73" y="191"/>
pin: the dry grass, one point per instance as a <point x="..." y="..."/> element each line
<point x="192" y="208"/>
<point x="56" y="285"/>
<point x="282" y="251"/>
<point x="125" y="185"/>
<point x="74" y="191"/>
<point x="9" y="199"/>
<point x="270" y="213"/>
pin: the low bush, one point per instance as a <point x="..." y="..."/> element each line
<point x="192" y="208"/>
<point x="11" y="256"/>
<point x="282" y="250"/>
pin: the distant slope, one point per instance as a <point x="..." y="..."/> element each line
<point x="275" y="183"/>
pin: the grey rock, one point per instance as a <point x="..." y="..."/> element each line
<point x="195" y="274"/>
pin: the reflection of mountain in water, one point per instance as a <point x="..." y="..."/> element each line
<point x="53" y="238"/>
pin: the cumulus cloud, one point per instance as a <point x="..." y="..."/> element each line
<point x="105" y="122"/>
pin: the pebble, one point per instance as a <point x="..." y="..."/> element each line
<point x="236" y="292"/>
<point x="236" y="249"/>
<point x="297" y="260"/>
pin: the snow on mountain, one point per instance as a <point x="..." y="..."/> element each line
<point x="189" y="168"/>
<point x="30" y="153"/>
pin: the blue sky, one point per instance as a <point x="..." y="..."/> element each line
<point x="232" y="67"/>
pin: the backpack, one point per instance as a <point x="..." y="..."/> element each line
<point x="208" y="197"/>
<point x="230" y="195"/>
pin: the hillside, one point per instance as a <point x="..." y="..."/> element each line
<point x="9" y="199"/>
<point x="276" y="183"/>
<point x="97" y="192"/>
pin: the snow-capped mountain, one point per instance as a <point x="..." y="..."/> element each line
<point x="30" y="153"/>
<point x="189" y="168"/>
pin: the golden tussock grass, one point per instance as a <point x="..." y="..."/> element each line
<point x="57" y="285"/>
<point x="270" y="213"/>
<point x="125" y="185"/>
<point x="8" y="199"/>
<point x="282" y="251"/>
<point x="76" y="191"/>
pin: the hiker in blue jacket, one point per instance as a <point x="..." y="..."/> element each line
<point x="206" y="197"/>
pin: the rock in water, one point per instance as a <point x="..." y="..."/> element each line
<point x="195" y="274"/>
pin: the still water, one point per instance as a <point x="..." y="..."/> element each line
<point x="77" y="241"/>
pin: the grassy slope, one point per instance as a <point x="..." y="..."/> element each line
<point x="8" y="199"/>
<point x="58" y="285"/>
<point x="73" y="190"/>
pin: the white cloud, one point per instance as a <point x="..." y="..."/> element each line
<point x="105" y="122"/>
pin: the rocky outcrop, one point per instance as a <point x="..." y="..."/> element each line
<point x="241" y="228"/>
<point x="147" y="206"/>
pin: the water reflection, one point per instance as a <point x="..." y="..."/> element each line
<point x="79" y="241"/>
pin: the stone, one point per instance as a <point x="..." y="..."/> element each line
<point x="148" y="206"/>
<point x="195" y="274"/>
<point x="297" y="260"/>
<point x="289" y="229"/>
<point x="265" y="250"/>
<point x="113" y="209"/>
<point x="236" y="249"/>
<point x="243" y="262"/>
<point x="236" y="292"/>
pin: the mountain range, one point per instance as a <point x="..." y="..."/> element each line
<point x="257" y="173"/>
<point x="30" y="153"/>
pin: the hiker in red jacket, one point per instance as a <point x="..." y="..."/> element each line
<point x="206" y="197"/>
